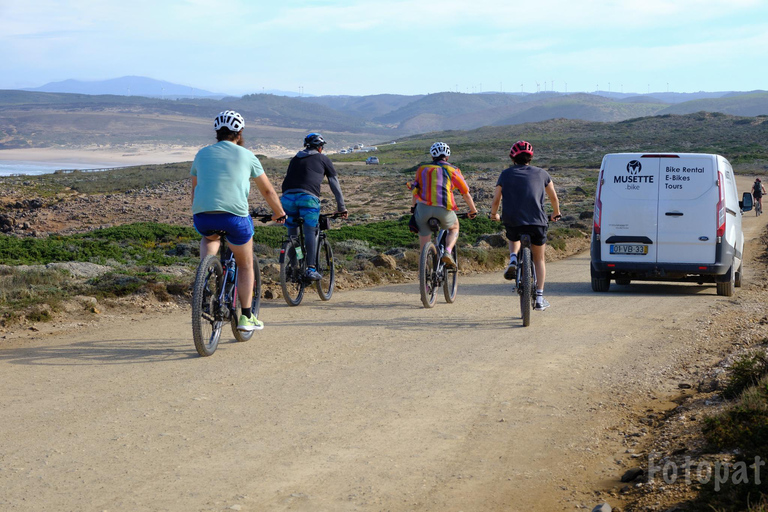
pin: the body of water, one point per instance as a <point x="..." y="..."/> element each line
<point x="11" y="167"/>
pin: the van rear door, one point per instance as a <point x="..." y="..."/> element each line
<point x="629" y="195"/>
<point x="688" y="197"/>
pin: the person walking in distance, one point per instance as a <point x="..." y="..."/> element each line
<point x="301" y="194"/>
<point x="221" y="182"/>
<point x="522" y="188"/>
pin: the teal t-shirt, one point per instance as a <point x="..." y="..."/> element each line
<point x="224" y="171"/>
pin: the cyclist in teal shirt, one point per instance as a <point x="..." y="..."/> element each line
<point x="221" y="175"/>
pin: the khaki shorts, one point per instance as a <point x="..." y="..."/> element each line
<point x="425" y="212"/>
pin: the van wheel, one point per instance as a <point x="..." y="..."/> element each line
<point x="739" y="273"/>
<point x="600" y="281"/>
<point x="623" y="281"/>
<point x="728" y="283"/>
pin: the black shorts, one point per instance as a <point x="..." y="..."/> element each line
<point x="538" y="233"/>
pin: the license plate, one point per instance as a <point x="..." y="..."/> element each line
<point x="638" y="249"/>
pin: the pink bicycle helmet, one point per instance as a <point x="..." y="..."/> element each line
<point x="520" y="147"/>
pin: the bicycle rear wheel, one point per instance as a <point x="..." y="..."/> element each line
<point x="206" y="322"/>
<point x="451" y="282"/>
<point x="325" y="267"/>
<point x="428" y="274"/>
<point x="255" y="304"/>
<point x="291" y="274"/>
<point x="526" y="286"/>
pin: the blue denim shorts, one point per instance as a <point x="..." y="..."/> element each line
<point x="301" y="205"/>
<point x="238" y="229"/>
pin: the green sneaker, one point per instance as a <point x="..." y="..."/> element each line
<point x="248" y="324"/>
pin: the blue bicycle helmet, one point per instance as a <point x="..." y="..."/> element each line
<point x="314" y="140"/>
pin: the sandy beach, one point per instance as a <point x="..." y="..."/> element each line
<point x="108" y="157"/>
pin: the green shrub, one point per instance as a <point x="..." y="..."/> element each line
<point x="745" y="372"/>
<point x="116" y="285"/>
<point x="743" y="427"/>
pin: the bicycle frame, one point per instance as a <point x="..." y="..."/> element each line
<point x="293" y="263"/>
<point x="299" y="240"/>
<point x="525" y="242"/>
<point x="525" y="281"/>
<point x="433" y="272"/>
<point x="228" y="294"/>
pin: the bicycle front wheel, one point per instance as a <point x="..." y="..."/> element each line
<point x="451" y="282"/>
<point x="255" y="304"/>
<point x="428" y="274"/>
<point x="325" y="267"/>
<point x="291" y="274"/>
<point x="526" y="286"/>
<point x="206" y="322"/>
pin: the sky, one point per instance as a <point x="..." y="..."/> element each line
<point x="362" y="47"/>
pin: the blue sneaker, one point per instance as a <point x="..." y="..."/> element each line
<point x="313" y="275"/>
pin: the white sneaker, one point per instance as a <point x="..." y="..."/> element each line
<point x="541" y="304"/>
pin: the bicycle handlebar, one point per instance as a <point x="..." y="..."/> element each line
<point x="265" y="217"/>
<point x="334" y="215"/>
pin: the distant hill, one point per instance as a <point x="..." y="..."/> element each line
<point x="576" y="143"/>
<point x="128" y="86"/>
<point x="367" y="107"/>
<point x="662" y="97"/>
<point x="455" y="111"/>
<point x="36" y="119"/>
<point x="745" y="104"/>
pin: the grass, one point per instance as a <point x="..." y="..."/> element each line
<point x="140" y="243"/>
<point x="742" y="428"/>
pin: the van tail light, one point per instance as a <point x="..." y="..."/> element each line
<point x="720" y="205"/>
<point x="598" y="205"/>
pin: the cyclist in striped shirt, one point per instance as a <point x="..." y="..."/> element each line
<point x="433" y="197"/>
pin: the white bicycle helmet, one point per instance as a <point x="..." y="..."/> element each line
<point x="229" y="119"/>
<point x="440" y="148"/>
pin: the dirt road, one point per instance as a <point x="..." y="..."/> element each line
<point x="368" y="402"/>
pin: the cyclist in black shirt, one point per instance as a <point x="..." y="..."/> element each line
<point x="758" y="190"/>
<point x="301" y="194"/>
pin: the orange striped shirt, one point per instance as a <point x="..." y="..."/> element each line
<point x="435" y="182"/>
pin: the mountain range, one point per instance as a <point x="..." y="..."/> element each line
<point x="161" y="112"/>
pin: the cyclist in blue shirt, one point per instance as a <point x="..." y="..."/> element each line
<point x="301" y="194"/>
<point x="221" y="175"/>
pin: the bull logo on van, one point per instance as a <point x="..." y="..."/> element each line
<point x="634" y="167"/>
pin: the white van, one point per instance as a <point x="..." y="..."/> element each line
<point x="667" y="217"/>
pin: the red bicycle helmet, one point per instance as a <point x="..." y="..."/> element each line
<point x="520" y="147"/>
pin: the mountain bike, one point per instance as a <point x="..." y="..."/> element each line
<point x="433" y="273"/>
<point x="215" y="300"/>
<point x="293" y="264"/>
<point x="758" y="206"/>
<point x="525" y="282"/>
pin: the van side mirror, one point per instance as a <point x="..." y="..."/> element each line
<point x="746" y="202"/>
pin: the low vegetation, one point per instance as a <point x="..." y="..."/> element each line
<point x="742" y="429"/>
